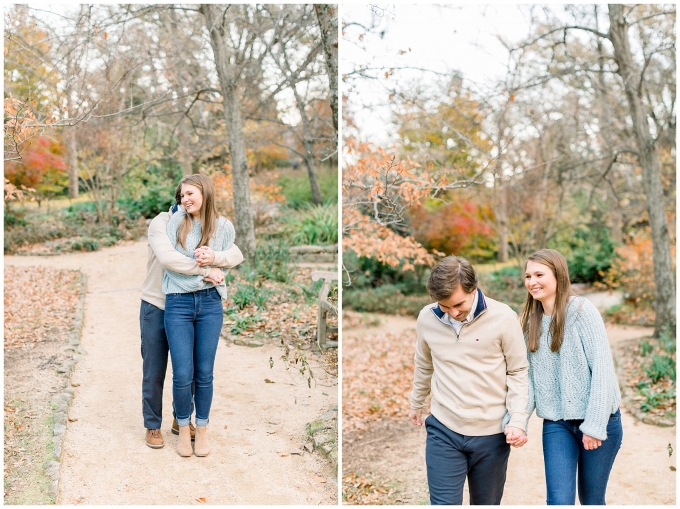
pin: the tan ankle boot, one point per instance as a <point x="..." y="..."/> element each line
<point x="201" y="446"/>
<point x="184" y="441"/>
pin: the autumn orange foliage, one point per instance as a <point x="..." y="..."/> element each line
<point x="454" y="228"/>
<point x="377" y="192"/>
<point x="41" y="156"/>
<point x="632" y="270"/>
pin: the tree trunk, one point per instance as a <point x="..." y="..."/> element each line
<point x="311" y="172"/>
<point x="663" y="268"/>
<point x="501" y="211"/>
<point x="72" y="151"/>
<point x="328" y="23"/>
<point x="245" y="226"/>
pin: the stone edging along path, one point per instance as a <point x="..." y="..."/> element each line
<point x="61" y="401"/>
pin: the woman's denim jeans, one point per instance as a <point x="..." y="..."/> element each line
<point x="563" y="453"/>
<point x="193" y="322"/>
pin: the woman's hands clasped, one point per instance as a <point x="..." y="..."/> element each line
<point x="204" y="256"/>
<point x="215" y="276"/>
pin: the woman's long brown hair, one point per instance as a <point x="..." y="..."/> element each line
<point x="208" y="216"/>
<point x="532" y="314"/>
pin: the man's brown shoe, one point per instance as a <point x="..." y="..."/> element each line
<point x="175" y="429"/>
<point x="154" y="438"/>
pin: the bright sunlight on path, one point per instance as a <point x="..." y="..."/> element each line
<point x="253" y="425"/>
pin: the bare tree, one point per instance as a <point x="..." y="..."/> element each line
<point x="217" y="21"/>
<point x="328" y="23"/>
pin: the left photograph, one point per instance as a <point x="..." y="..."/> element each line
<point x="171" y="254"/>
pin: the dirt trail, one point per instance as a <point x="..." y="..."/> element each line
<point x="105" y="459"/>
<point x="394" y="451"/>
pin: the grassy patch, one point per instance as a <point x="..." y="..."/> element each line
<point x="298" y="192"/>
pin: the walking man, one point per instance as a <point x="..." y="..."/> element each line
<point x="470" y="353"/>
<point x="163" y="255"/>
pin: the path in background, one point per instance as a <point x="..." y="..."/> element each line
<point x="393" y="452"/>
<point x="253" y="425"/>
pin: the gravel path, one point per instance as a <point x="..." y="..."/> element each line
<point x="254" y="425"/>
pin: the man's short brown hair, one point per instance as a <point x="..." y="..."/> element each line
<point x="448" y="275"/>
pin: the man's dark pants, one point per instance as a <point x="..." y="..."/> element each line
<point x="450" y="457"/>
<point x="154" y="364"/>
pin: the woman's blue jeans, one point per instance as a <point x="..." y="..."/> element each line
<point x="193" y="322"/>
<point x="564" y="454"/>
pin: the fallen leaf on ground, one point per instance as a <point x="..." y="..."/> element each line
<point x="72" y="419"/>
<point x="319" y="479"/>
<point x="283" y="454"/>
<point x="267" y="380"/>
<point x="202" y="500"/>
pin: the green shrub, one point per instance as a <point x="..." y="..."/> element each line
<point x="505" y="285"/>
<point x="313" y="224"/>
<point x="244" y="296"/>
<point x="645" y="348"/>
<point x="298" y="192"/>
<point x="77" y="225"/>
<point x="589" y="252"/>
<point x="271" y="262"/>
<point x="84" y="244"/>
<point x="662" y="366"/>
<point x="387" y="299"/>
<point x="154" y="200"/>
<point x="14" y="219"/>
<point x="654" y="399"/>
<point x="370" y="273"/>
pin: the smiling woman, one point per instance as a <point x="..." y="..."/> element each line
<point x="572" y="383"/>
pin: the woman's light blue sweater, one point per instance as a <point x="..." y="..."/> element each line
<point x="578" y="381"/>
<point x="222" y="239"/>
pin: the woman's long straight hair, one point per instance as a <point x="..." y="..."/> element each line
<point x="532" y="313"/>
<point x="208" y="213"/>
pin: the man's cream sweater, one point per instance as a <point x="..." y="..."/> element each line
<point x="162" y="254"/>
<point x="478" y="378"/>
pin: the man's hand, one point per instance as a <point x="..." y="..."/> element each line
<point x="515" y="436"/>
<point x="215" y="276"/>
<point x="204" y="256"/>
<point x="590" y="443"/>
<point x="415" y="415"/>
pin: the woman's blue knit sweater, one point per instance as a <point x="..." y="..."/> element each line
<point x="578" y="381"/>
<point x="222" y="239"/>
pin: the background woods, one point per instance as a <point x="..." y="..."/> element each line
<point x="118" y="102"/>
<point x="571" y="146"/>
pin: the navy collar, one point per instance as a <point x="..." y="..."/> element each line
<point x="481" y="306"/>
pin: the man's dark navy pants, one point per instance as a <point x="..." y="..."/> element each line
<point x="451" y="457"/>
<point x="155" y="364"/>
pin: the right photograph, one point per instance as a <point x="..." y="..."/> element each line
<point x="508" y="254"/>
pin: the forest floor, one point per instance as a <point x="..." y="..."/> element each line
<point x="384" y="454"/>
<point x="257" y="430"/>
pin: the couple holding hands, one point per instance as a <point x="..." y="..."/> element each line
<point x="488" y="372"/>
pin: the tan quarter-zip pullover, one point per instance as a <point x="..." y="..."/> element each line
<point x="476" y="377"/>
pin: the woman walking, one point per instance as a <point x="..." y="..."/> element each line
<point x="572" y="383"/>
<point x="193" y="308"/>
